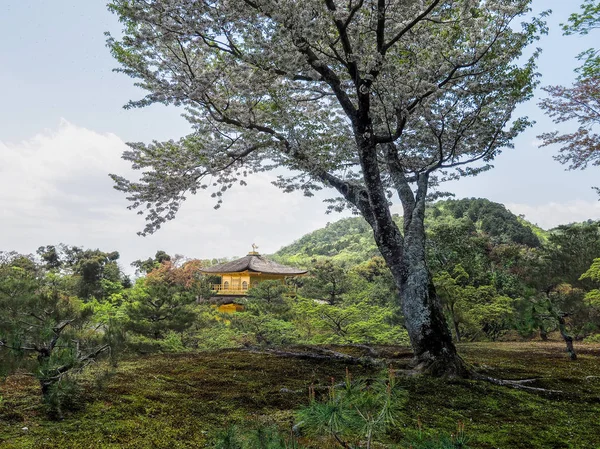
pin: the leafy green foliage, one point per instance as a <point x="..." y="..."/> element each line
<point x="360" y="322"/>
<point x="507" y="266"/>
<point x="164" y="300"/>
<point x="453" y="242"/>
<point x="545" y="282"/>
<point x="270" y="292"/>
<point x="584" y="22"/>
<point x="570" y="251"/>
<point x="355" y="412"/>
<point x="372" y="281"/>
<point x="146" y="266"/>
<point x="45" y="330"/>
<point x="473" y="311"/>
<point x="327" y="282"/>
<point x="556" y="278"/>
<point x="267" y="316"/>
<point x="96" y="273"/>
<point x="593" y="273"/>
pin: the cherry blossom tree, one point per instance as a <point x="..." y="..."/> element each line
<point x="373" y="98"/>
<point x="580" y="102"/>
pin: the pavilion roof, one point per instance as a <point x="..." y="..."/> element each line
<point x="255" y="263"/>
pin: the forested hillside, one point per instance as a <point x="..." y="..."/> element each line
<point x="351" y="239"/>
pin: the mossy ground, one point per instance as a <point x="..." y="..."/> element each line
<point x="181" y="401"/>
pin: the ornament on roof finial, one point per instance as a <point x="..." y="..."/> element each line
<point x="254" y="252"/>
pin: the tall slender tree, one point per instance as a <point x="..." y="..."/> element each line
<point x="369" y="97"/>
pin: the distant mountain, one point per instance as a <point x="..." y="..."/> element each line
<point x="351" y="239"/>
<point x="490" y="218"/>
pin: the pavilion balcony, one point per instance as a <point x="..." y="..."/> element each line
<point x="221" y="289"/>
<point x="242" y="290"/>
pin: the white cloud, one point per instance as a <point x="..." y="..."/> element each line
<point x="55" y="188"/>
<point x="553" y="214"/>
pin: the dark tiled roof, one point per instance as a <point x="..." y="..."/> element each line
<point x="255" y="263"/>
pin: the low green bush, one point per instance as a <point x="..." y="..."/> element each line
<point x="595" y="338"/>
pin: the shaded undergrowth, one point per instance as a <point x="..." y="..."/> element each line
<point x="184" y="400"/>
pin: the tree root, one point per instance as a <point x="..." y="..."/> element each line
<point x="328" y="354"/>
<point x="517" y="384"/>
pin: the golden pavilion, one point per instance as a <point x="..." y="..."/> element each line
<point x="238" y="276"/>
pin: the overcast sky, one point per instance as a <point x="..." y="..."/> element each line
<point x="62" y="130"/>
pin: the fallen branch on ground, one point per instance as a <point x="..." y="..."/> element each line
<point x="320" y="354"/>
<point x="518" y="384"/>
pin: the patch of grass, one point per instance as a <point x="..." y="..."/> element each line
<point x="184" y="400"/>
<point x="501" y="417"/>
<point x="166" y="401"/>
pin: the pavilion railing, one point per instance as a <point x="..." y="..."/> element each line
<point x="221" y="289"/>
<point x="231" y="289"/>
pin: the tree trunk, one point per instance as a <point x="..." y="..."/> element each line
<point x="428" y="331"/>
<point x="429" y="334"/>
<point x="456" y="330"/>
<point x="454" y="322"/>
<point x="566" y="337"/>
<point x="45" y="386"/>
